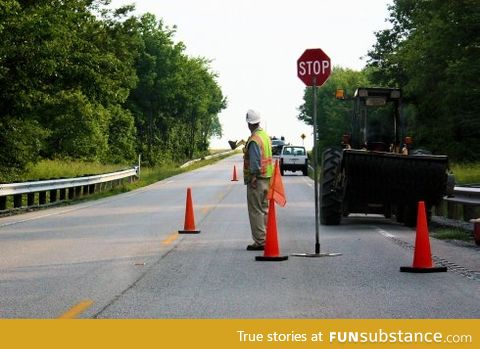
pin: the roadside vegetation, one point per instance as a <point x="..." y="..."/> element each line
<point x="447" y="233"/>
<point x="84" y="82"/>
<point x="466" y="173"/>
<point x="51" y="169"/>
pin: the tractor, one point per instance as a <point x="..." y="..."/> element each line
<point x="376" y="170"/>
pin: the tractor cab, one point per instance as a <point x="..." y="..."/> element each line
<point x="376" y="120"/>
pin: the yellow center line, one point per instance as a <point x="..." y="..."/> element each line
<point x="171" y="238"/>
<point x="76" y="310"/>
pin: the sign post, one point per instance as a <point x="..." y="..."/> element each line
<point x="314" y="68"/>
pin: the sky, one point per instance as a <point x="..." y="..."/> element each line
<point x="254" y="46"/>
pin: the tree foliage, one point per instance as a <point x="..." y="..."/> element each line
<point x="177" y="98"/>
<point x="81" y="80"/>
<point x="432" y="51"/>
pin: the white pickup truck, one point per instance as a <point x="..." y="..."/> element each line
<point x="293" y="158"/>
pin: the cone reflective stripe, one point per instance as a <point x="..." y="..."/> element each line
<point x="189" y="225"/>
<point x="422" y="256"/>
<point x="234" y="176"/>
<point x="271" y="251"/>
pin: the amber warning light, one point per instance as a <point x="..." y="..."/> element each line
<point x="340" y="93"/>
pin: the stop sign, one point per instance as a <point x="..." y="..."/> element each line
<point x="313" y="67"/>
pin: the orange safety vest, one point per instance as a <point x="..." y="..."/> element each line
<point x="261" y="138"/>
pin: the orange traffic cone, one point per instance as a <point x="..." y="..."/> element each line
<point x="189" y="226"/>
<point x="234" y="177"/>
<point x="271" y="252"/>
<point x="422" y="257"/>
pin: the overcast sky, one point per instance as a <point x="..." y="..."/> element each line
<point x="254" y="46"/>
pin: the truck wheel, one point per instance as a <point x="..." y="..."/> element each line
<point x="387" y="211"/>
<point x="330" y="197"/>
<point x="282" y="171"/>
<point x="305" y="171"/>
<point x="410" y="215"/>
<point x="399" y="214"/>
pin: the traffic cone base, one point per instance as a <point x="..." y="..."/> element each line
<point x="189" y="225"/>
<point x="272" y="259"/>
<point x="423" y="270"/>
<point x="422" y="257"/>
<point x="271" y="252"/>
<point x="189" y="231"/>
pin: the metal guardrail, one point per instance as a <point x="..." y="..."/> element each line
<point x="463" y="205"/>
<point x="467" y="195"/>
<point x="67" y="188"/>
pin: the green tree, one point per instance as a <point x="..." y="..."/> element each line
<point x="432" y="51"/>
<point x="81" y="80"/>
<point x="205" y="100"/>
<point x="150" y="101"/>
<point x="177" y="98"/>
<point x="65" y="71"/>
<point x="21" y="135"/>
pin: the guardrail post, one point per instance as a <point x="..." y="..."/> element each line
<point x="53" y="195"/>
<point x="42" y="198"/>
<point x="17" y="200"/>
<point x="440" y="208"/>
<point x="30" y="199"/>
<point x="453" y="210"/>
<point x="3" y="203"/>
<point x="467" y="212"/>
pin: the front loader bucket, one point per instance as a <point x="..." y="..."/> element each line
<point x="393" y="179"/>
<point x="233" y="144"/>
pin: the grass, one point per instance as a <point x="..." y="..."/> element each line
<point x="49" y="169"/>
<point x="444" y="233"/>
<point x="466" y="173"/>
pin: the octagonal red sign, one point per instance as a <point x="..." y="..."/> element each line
<point x="314" y="67"/>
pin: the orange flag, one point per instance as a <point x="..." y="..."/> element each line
<point x="277" y="191"/>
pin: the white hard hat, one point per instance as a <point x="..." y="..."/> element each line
<point x="253" y="117"/>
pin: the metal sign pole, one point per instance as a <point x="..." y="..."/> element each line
<point x="315" y="174"/>
<point x="315" y="164"/>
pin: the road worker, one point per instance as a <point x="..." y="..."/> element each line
<point x="257" y="171"/>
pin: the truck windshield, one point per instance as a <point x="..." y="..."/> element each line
<point x="381" y="124"/>
<point x="297" y="151"/>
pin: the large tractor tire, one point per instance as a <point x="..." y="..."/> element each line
<point x="330" y="196"/>
<point x="410" y="214"/>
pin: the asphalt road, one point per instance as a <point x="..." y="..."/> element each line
<point x="122" y="257"/>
